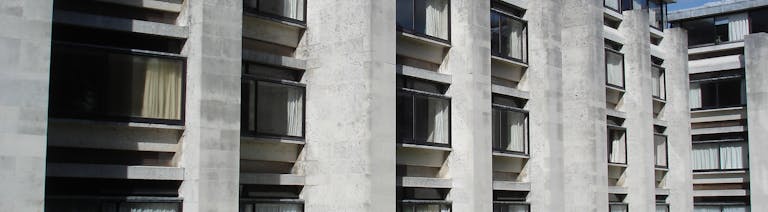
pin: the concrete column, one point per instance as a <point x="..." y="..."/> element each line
<point x="350" y="151"/>
<point x="680" y="177"/>
<point x="583" y="104"/>
<point x="756" y="52"/>
<point x="544" y="74"/>
<point x="637" y="103"/>
<point x="25" y="46"/>
<point x="469" y="62"/>
<point x="211" y="140"/>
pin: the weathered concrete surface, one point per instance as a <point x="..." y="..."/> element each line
<point x="544" y="77"/>
<point x="25" y="44"/>
<point x="716" y="8"/>
<point x="679" y="177"/>
<point x="583" y="104"/>
<point x="756" y="52"/>
<point x="211" y="141"/>
<point x="469" y="62"/>
<point x="637" y="103"/>
<point x="350" y="152"/>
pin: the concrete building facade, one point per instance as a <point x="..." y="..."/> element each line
<point x="726" y="50"/>
<point x="333" y="105"/>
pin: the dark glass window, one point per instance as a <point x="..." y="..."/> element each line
<point x="291" y="10"/>
<point x="700" y="31"/>
<point x="262" y="198"/>
<point x="424" y="17"/>
<point x="758" y="20"/>
<point x="718" y="93"/>
<point x="272" y="107"/>
<point x="614" y="68"/>
<point x="656" y="14"/>
<point x="510" y="201"/>
<point x="614" y="5"/>
<point x="721" y="30"/>
<point x="423" y="115"/>
<point x="423" y="200"/>
<point x="510" y="126"/>
<point x="617" y="145"/>
<point x="117" y="85"/>
<point x="509" y="36"/>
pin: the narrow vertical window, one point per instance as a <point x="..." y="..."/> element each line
<point x="510" y="126"/>
<point x="659" y="82"/>
<point x="423" y="114"/>
<point x="660" y="151"/>
<point x="617" y="145"/>
<point x="509" y="33"/>
<point x="614" y="68"/>
<point x="271" y="107"/>
<point x="424" y="17"/>
<point x="291" y="10"/>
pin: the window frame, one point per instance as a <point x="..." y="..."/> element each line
<point x="623" y="69"/>
<point x="508" y="203"/>
<point x="258" y="12"/>
<point x="503" y="13"/>
<point x="610" y="145"/>
<point x="527" y="141"/>
<point x="666" y="148"/>
<point x="286" y="201"/>
<point x="663" y="7"/>
<point x="119" y="200"/>
<point x="424" y="35"/>
<point x="411" y="140"/>
<point x="719" y="154"/>
<point x="722" y="205"/>
<point x="618" y="10"/>
<point x="414" y="202"/>
<point x="130" y="52"/>
<point x="662" y="82"/>
<point x="717" y="80"/>
<point x="244" y="106"/>
<point x="665" y="205"/>
<point x="626" y="205"/>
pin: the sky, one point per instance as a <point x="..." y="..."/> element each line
<point x="683" y="4"/>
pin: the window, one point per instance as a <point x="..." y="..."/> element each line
<point x="759" y="20"/>
<point x="659" y="82"/>
<point x="731" y="155"/>
<point x="617" y="145"/>
<point x="721" y="208"/>
<point x="660" y="151"/>
<point x="116" y="85"/>
<point x="423" y="200"/>
<point x="111" y="195"/>
<point x="271" y="107"/>
<point x="510" y="201"/>
<point x="656" y="14"/>
<point x="614" y="5"/>
<point x="715" y="30"/>
<point x="423" y="114"/>
<point x="662" y="207"/>
<point x="718" y="92"/>
<point x="510" y="126"/>
<point x="424" y="17"/>
<point x="614" y="68"/>
<point x="509" y="34"/>
<point x="110" y="205"/>
<point x="262" y="198"/>
<point x="616" y="203"/>
<point x="289" y="10"/>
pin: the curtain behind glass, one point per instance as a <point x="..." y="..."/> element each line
<point x="279" y="109"/>
<point x="700" y="208"/>
<point x="517" y="208"/>
<point x="733" y="155"/>
<point x="613" y="4"/>
<point x="695" y="95"/>
<point x="615" y="69"/>
<point x="738" y="26"/>
<point x="618" y="145"/>
<point x="514" y="32"/>
<point x="662" y="208"/>
<point x="273" y="207"/>
<point x="618" y="208"/>
<point x="661" y="150"/>
<point x="705" y="156"/>
<point x="658" y="82"/>
<point x="736" y="208"/>
<point x="437" y="18"/>
<point x="516" y="125"/>
<point x="162" y="89"/>
<point x="295" y="109"/>
<point x="293" y="9"/>
<point x="149" y="207"/>
<point x="438" y="124"/>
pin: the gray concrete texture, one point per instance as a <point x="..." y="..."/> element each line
<point x="25" y="44"/>
<point x="755" y="53"/>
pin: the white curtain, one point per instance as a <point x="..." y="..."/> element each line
<point x="658" y="82"/>
<point x="295" y="109"/>
<point x="287" y="8"/>
<point x="695" y="95"/>
<point x="515" y="41"/>
<point x="615" y="69"/>
<point x="268" y="207"/>
<point x="162" y="89"/>
<point x="732" y="155"/>
<point x="662" y="208"/>
<point x="661" y="150"/>
<point x="613" y="4"/>
<point x="738" y="26"/>
<point x="736" y="208"/>
<point x="618" y="147"/>
<point x="618" y="208"/>
<point x="743" y="91"/>
<point x="654" y="15"/>
<point x="439" y="126"/>
<point x="516" y="121"/>
<point x="437" y="18"/>
<point x="517" y="208"/>
<point x="149" y="207"/>
<point x="705" y="156"/>
<point x="428" y="208"/>
<point x="700" y="208"/>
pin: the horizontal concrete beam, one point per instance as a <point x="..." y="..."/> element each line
<point x="721" y="7"/>
<point x="613" y="35"/>
<point x="507" y="91"/>
<point x="149" y="4"/>
<point x="423" y="74"/>
<point x="657" y="52"/>
<point x="116" y="124"/>
<point x="720" y="193"/>
<point x="120" y="24"/>
<point x="615" y="113"/>
<point x="662" y="123"/>
<point x="716" y="48"/>
<point x="613" y="14"/>
<point x="729" y="62"/>
<point x="656" y="33"/>
<point x="716" y="115"/>
<point x="715" y="130"/>
<point x="114" y="171"/>
<point x="511" y="186"/>
<point x="271" y="179"/>
<point x="662" y="191"/>
<point x="424" y="182"/>
<point x="274" y="60"/>
<point x="721" y="180"/>
<point x="617" y="190"/>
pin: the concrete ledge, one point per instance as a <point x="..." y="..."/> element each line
<point x="509" y="62"/>
<point x="656" y="51"/>
<point x="423" y="74"/>
<point x="716" y="130"/>
<point x="270" y="140"/>
<point x="716" y="115"/>
<point x="716" y="64"/>
<point x="617" y="190"/>
<point x="117" y="124"/>
<point x="511" y="186"/>
<point x="662" y="191"/>
<point x="719" y="172"/>
<point x="662" y="123"/>
<point x="613" y="14"/>
<point x="615" y="113"/>
<point x="509" y="155"/>
<point x="507" y="91"/>
<point x="517" y="3"/>
<point x="656" y="33"/>
<point x="423" y="40"/>
<point x="114" y="171"/>
<point x="720" y="180"/>
<point x="275" y="60"/>
<point x="120" y="24"/>
<point x="427" y="147"/>
<point x="424" y="182"/>
<point x="118" y="145"/>
<point x="271" y="179"/>
<point x="149" y="4"/>
<point x="613" y="35"/>
<point x="720" y="193"/>
<point x="716" y="48"/>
